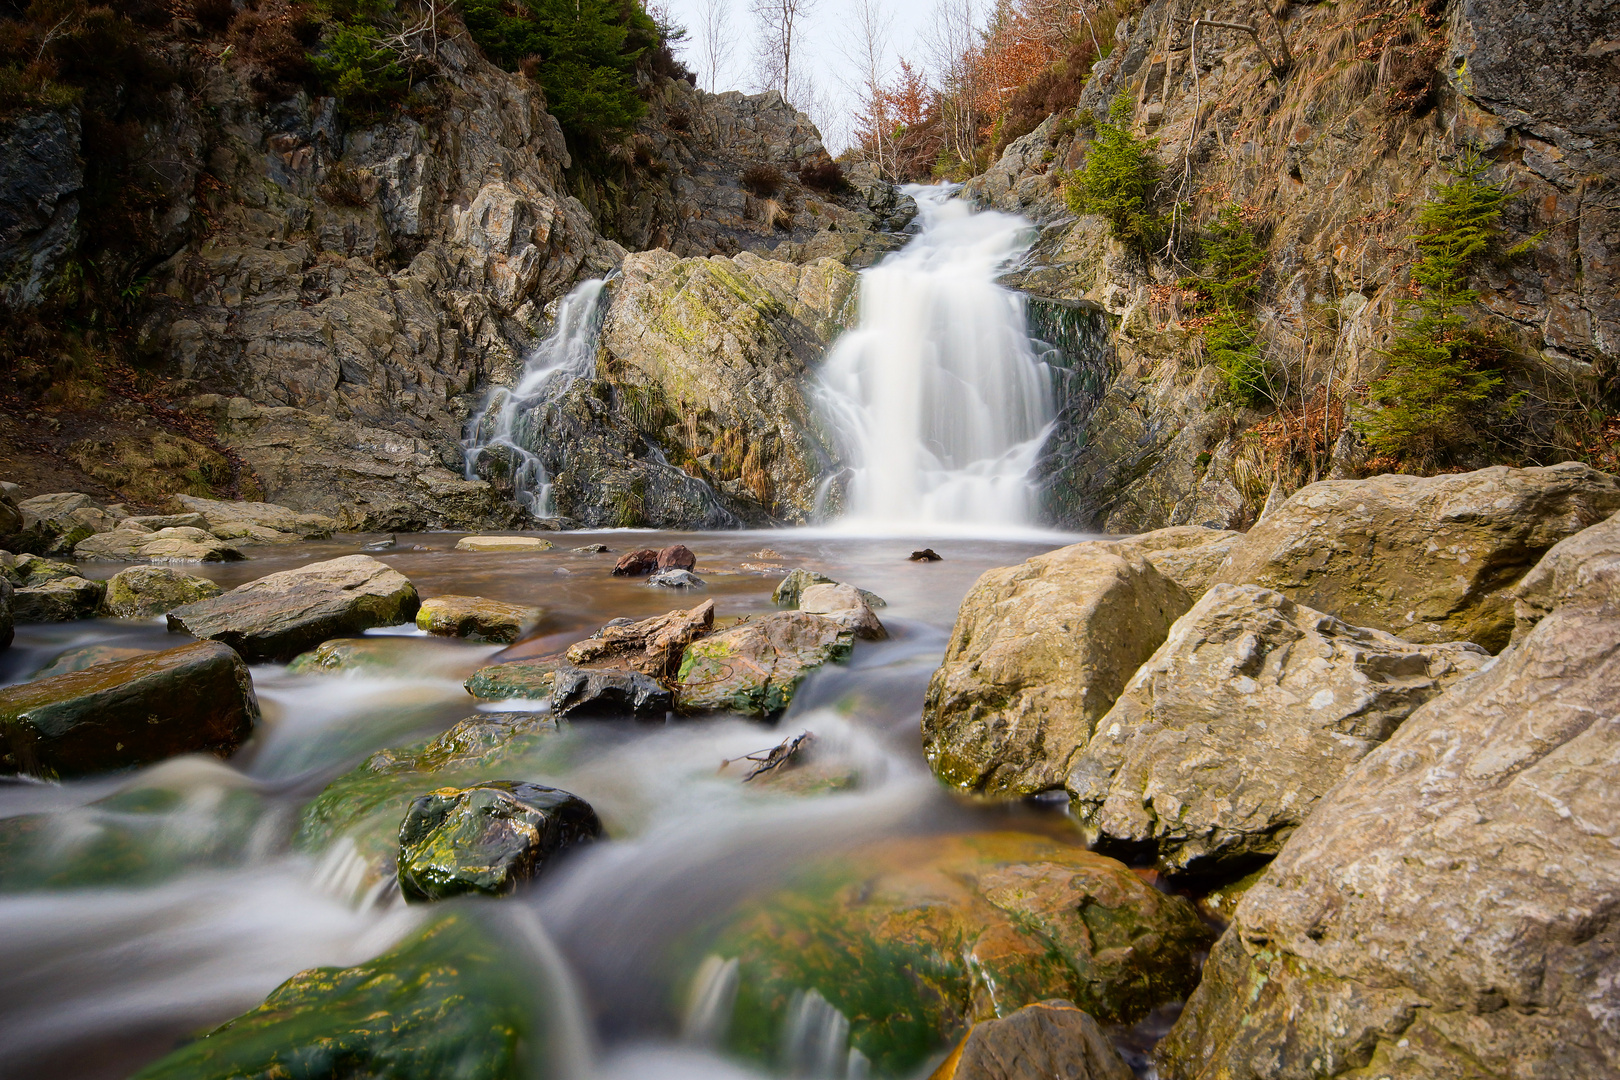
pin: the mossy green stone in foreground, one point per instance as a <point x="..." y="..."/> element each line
<point x="755" y="668"/>
<point x="916" y="939"/>
<point x="456" y="1001"/>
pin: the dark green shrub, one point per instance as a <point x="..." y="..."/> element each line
<point x="356" y="68"/>
<point x="1119" y="182"/>
<point x="1231" y="262"/>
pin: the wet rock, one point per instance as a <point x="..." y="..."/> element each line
<point x="1037" y="1042"/>
<point x="581" y="693"/>
<point x="636" y="563"/>
<point x="651" y="646"/>
<point x="129" y="712"/>
<point x="476" y="618"/>
<point x="755" y="668"/>
<point x="7" y="615"/>
<point x="58" y="599"/>
<point x="913" y="940"/>
<point x="26" y="570"/>
<point x="1231" y="733"/>
<point x="1449" y="901"/>
<point x="86" y="656"/>
<point x="1427" y="558"/>
<point x="926" y="555"/>
<point x="590" y="549"/>
<point x="178" y="544"/>
<point x="510" y="544"/>
<point x="676" y="557"/>
<point x="279" y="616"/>
<point x="790" y="588"/>
<point x="1189" y="555"/>
<point x="844" y="605"/>
<point x="456" y="998"/>
<point x="487" y="838"/>
<point x="55" y="523"/>
<point x="676" y="579"/>
<point x="144" y="591"/>
<point x="532" y="680"/>
<point x="257" y="522"/>
<point x="1039" y="653"/>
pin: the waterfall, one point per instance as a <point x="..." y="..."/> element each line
<point x="938" y="395"/>
<point x="500" y="435"/>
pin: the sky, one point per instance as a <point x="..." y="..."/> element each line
<point x="821" y="41"/>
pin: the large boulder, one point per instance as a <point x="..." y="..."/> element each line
<point x="1039" y="653"/>
<point x="84" y="656"/>
<point x="913" y="940"/>
<point x="1449" y="910"/>
<point x="130" y="712"/>
<point x="717" y="349"/>
<point x="58" y="599"/>
<point x="1189" y="555"/>
<point x="1427" y="558"/>
<point x="174" y="544"/>
<point x="279" y="616"/>
<point x="755" y="668"/>
<point x="55" y="523"/>
<point x="1231" y="733"/>
<point x="476" y="618"/>
<point x="257" y="522"/>
<point x="651" y="646"/>
<point x="487" y="838"/>
<point x="1038" y="1042"/>
<point x="143" y="591"/>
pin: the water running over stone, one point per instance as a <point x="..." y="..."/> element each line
<point x="501" y="436"/>
<point x="938" y="395"/>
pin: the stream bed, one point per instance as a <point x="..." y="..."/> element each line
<point x="141" y="909"/>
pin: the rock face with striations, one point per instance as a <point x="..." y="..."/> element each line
<point x="197" y="698"/>
<point x="1230" y="734"/>
<point x="1449" y="909"/>
<point x="279" y="616"/>
<point x="1427" y="558"/>
<point x="1038" y="654"/>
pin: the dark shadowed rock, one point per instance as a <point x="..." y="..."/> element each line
<point x="755" y="668"/>
<point x="926" y="555"/>
<point x="7" y="615"/>
<point x="279" y="616"/>
<point x="86" y="656"/>
<point x="487" y="838"/>
<point x="581" y="693"/>
<point x="59" y="599"/>
<point x="1051" y="1039"/>
<point x="130" y="712"/>
<point x="636" y="563"/>
<point x="477" y="618"/>
<point x="143" y="591"/>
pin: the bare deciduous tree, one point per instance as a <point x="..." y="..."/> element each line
<point x="716" y="39"/>
<point x="865" y="49"/>
<point x="778" y="23"/>
<point x="952" y="42"/>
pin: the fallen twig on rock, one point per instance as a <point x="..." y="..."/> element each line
<point x="774" y="757"/>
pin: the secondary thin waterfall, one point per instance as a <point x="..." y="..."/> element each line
<point x="500" y="436"/>
<point x="938" y="393"/>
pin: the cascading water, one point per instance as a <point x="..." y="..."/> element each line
<point x="500" y="437"/>
<point x="938" y="394"/>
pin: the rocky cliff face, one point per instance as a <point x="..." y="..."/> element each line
<point x="1334" y="158"/>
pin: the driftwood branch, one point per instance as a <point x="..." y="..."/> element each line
<point x="773" y="758"/>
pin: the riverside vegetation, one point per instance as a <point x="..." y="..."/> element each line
<point x="345" y="734"/>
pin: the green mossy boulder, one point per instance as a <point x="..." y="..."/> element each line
<point x="197" y="698"/>
<point x="144" y="591"/>
<point x="754" y="668"/>
<point x="531" y="680"/>
<point x="487" y="838"/>
<point x="914" y="940"/>
<point x="59" y="599"/>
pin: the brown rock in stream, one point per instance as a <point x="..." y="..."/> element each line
<point x="1038" y="1042"/>
<point x="636" y="563"/>
<point x="651" y="646"/>
<point x="676" y="557"/>
<point x="477" y="618"/>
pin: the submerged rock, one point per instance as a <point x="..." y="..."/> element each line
<point x="58" y="599"/>
<point x="755" y="668"/>
<point x="1230" y="734"/>
<point x="195" y="698"/>
<point x="844" y="605"/>
<point x="1038" y="654"/>
<point x="170" y="545"/>
<point x="651" y="646"/>
<point x="636" y="563"/>
<point x="580" y="693"/>
<point x="1038" y="1042"/>
<point x="530" y="679"/>
<point x="144" y="591"/>
<point x="1446" y="911"/>
<point x="1431" y="558"/>
<point x="503" y="543"/>
<point x="590" y="549"/>
<point x="279" y="616"/>
<point x="913" y="940"/>
<point x="487" y="838"/>
<point x="676" y="579"/>
<point x="476" y="618"/>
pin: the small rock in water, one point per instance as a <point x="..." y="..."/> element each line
<point x="477" y="619"/>
<point x="143" y="591"/>
<point x="487" y="838"/>
<point x="636" y="563"/>
<point x="676" y="579"/>
<point x="789" y="589"/>
<point x="845" y="606"/>
<point x="532" y="680"/>
<point x="612" y="693"/>
<point x="503" y="543"/>
<point x="676" y="557"/>
<point x="1052" y="1038"/>
<point x="562" y="571"/>
<point x="381" y="545"/>
<point x="754" y="668"/>
<point x="767" y="553"/>
<point x="926" y="555"/>
<point x="590" y="549"/>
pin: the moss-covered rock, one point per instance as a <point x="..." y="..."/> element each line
<point x="144" y="591"/>
<point x="755" y="668"/>
<point x="531" y="680"/>
<point x="477" y="619"/>
<point x="58" y="599"/>
<point x="913" y="940"/>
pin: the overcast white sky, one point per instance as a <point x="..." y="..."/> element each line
<point x="820" y="42"/>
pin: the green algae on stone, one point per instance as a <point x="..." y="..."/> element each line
<point x="916" y="939"/>
<point x="143" y="591"/>
<point x="755" y="668"/>
<point x="532" y="680"/>
<point x="456" y="1001"/>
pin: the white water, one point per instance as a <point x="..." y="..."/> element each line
<point x="938" y="394"/>
<point x="507" y="422"/>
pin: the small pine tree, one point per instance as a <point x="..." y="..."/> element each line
<point x="1438" y="378"/>
<point x="1119" y="182"/>
<point x="1229" y="278"/>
